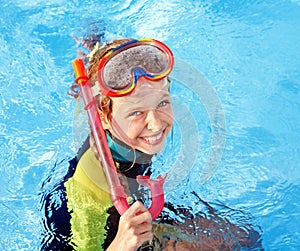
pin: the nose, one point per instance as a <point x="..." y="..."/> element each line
<point x="153" y="121"/>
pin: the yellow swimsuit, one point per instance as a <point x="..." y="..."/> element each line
<point x="88" y="202"/>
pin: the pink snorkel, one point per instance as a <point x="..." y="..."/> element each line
<point x="116" y="190"/>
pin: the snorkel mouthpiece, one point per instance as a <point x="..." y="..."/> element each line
<point x="117" y="192"/>
<point x="157" y="193"/>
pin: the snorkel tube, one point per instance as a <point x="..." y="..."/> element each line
<point x="116" y="190"/>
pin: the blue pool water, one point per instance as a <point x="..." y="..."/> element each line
<point x="245" y="123"/>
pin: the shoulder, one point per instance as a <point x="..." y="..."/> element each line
<point x="89" y="173"/>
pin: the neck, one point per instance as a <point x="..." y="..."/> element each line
<point x="123" y="153"/>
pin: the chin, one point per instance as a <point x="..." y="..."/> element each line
<point x="152" y="149"/>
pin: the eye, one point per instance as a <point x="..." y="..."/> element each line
<point x="163" y="103"/>
<point x="135" y="114"/>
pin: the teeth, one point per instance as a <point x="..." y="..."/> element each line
<point x="153" y="138"/>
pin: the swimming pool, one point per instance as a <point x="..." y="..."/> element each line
<point x="249" y="52"/>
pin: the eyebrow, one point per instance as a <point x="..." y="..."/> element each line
<point x="136" y="106"/>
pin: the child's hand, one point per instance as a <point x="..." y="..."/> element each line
<point x="135" y="228"/>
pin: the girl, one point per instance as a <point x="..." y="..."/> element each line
<point x="131" y="85"/>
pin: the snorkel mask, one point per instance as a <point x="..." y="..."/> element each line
<point x="120" y="68"/>
<point x="118" y="73"/>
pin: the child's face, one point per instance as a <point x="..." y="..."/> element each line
<point x="143" y="118"/>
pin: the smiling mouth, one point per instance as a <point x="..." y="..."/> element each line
<point x="155" y="139"/>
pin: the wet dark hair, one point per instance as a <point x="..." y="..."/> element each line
<point x="91" y="41"/>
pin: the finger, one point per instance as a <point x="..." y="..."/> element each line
<point x="143" y="228"/>
<point x="142" y="218"/>
<point x="139" y="223"/>
<point x="135" y="209"/>
<point x="145" y="237"/>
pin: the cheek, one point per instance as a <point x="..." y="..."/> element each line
<point x="169" y="120"/>
<point x="134" y="129"/>
<point x="168" y="116"/>
<point x="127" y="130"/>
